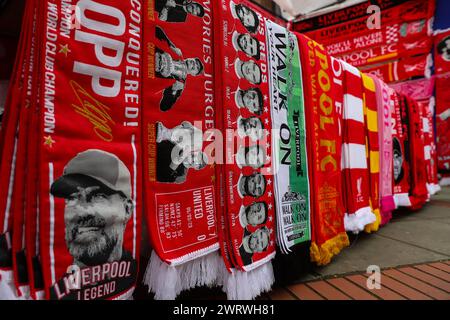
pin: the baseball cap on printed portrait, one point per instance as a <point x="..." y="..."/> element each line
<point x="94" y="168"/>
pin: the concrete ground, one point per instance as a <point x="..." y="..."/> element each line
<point x="410" y="238"/>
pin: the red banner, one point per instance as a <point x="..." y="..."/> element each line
<point x="402" y="69"/>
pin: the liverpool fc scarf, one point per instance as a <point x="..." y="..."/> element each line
<point x="327" y="211"/>
<point x="387" y="204"/>
<point x="373" y="154"/>
<point x="443" y="124"/>
<point x="402" y="14"/>
<point x="9" y="142"/>
<point x="288" y="139"/>
<point x="418" y="192"/>
<point x="401" y="153"/>
<point x="354" y="161"/>
<point x="349" y="13"/>
<point x="402" y="69"/>
<point x="426" y="111"/>
<point x="249" y="181"/>
<point x="179" y="155"/>
<point x="90" y="176"/>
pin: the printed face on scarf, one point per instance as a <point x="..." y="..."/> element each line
<point x="248" y="18"/>
<point x="251" y="72"/>
<point x="194" y="66"/>
<point x="249" y="45"/>
<point x="95" y="220"/>
<point x="256" y="213"/>
<point x="251" y="99"/>
<point x="195" y="160"/>
<point x="444" y="49"/>
<point x="259" y="240"/>
<point x="255" y="157"/>
<point x="252" y="127"/>
<point x="254" y="185"/>
<point x="195" y="9"/>
<point x="398" y="160"/>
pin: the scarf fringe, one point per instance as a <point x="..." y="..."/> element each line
<point x="167" y="281"/>
<point x="240" y="285"/>
<point x="7" y="287"/>
<point x="433" y="188"/>
<point x="373" y="227"/>
<point x="356" y="222"/>
<point x="323" y="254"/>
<point x="444" y="182"/>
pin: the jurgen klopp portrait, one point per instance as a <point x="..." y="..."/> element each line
<point x="96" y="186"/>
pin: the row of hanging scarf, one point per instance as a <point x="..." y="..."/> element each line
<point x="230" y="137"/>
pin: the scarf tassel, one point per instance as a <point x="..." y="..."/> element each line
<point x="323" y="254"/>
<point x="240" y="285"/>
<point x="167" y="281"/>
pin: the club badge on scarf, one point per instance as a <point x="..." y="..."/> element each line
<point x="443" y="122"/>
<point x="90" y="176"/>
<point x="328" y="234"/>
<point x="178" y="151"/>
<point x="289" y="138"/>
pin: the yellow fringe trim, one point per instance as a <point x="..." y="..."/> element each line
<point x="322" y="255"/>
<point x="373" y="227"/>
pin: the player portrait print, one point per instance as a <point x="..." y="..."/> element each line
<point x="250" y="127"/>
<point x="178" y="10"/>
<point x="246" y="16"/>
<point x="178" y="150"/>
<point x="254" y="214"/>
<point x="177" y="68"/>
<point x="253" y="242"/>
<point x="96" y="186"/>
<point x="251" y="99"/>
<point x="248" y="70"/>
<point x="443" y="49"/>
<point x="253" y="185"/>
<point x="252" y="156"/>
<point x="397" y="161"/>
<point x="97" y="190"/>
<point x="247" y="44"/>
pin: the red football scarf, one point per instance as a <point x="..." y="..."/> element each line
<point x="339" y="16"/>
<point x="407" y="12"/>
<point x="389" y="34"/>
<point x="7" y="166"/>
<point x="443" y="122"/>
<point x="402" y="69"/>
<point x="249" y="233"/>
<point x="386" y="52"/>
<point x="387" y="204"/>
<point x="90" y="176"/>
<point x="442" y="52"/>
<point x="401" y="154"/>
<point x="327" y="210"/>
<point x="418" y="192"/>
<point x="179" y="156"/>
<point x="354" y="162"/>
<point x="385" y="104"/>
<point x="426" y="111"/>
<point x="373" y="154"/>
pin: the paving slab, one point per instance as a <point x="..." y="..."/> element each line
<point x="377" y="250"/>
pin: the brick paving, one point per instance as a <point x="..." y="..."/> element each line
<point x="429" y="281"/>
